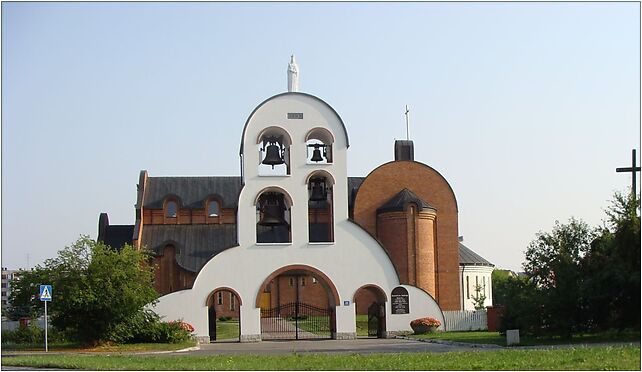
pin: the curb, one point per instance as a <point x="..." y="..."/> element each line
<point x="452" y="343"/>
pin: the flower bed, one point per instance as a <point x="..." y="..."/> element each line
<point x="424" y="325"/>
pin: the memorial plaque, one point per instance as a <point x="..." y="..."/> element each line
<point x="400" y="301"/>
<point x="295" y="115"/>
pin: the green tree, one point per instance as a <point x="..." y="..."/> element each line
<point x="520" y="298"/>
<point x="554" y="264"/>
<point x="612" y="268"/>
<point x="479" y="298"/>
<point x="95" y="288"/>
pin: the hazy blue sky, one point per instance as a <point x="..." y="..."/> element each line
<point x="525" y="108"/>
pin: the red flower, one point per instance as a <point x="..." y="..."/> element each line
<point x="428" y="321"/>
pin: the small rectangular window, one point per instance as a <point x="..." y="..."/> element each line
<point x="220" y="298"/>
<point x="303" y="281"/>
<point x="467" y="288"/>
<point x="314" y="280"/>
<point x="484" y="281"/>
<point x="232" y="301"/>
<point x="291" y="282"/>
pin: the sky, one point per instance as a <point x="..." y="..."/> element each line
<point x="525" y="108"/>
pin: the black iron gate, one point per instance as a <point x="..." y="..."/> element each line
<point x="376" y="320"/>
<point x="296" y="321"/>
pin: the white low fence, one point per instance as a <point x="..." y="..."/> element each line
<point x="466" y="320"/>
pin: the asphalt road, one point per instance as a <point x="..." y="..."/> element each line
<point x="359" y="346"/>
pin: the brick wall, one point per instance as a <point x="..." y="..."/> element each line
<point x="385" y="182"/>
<point x="283" y="290"/>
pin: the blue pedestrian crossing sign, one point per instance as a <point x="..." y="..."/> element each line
<point x="45" y="292"/>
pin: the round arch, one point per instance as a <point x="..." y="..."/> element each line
<point x="172" y="197"/>
<point x="247" y="122"/>
<point x="318" y="173"/>
<point x="275" y="130"/>
<point x="324" y="278"/>
<point x="274" y="188"/>
<point x="321" y="134"/>
<point x="218" y="289"/>
<point x="371" y="286"/>
<point x="393" y="163"/>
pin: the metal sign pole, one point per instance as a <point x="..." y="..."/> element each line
<point x="46" y="345"/>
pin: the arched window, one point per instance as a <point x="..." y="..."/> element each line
<point x="213" y="209"/>
<point x="320" y="208"/>
<point x="171" y="209"/>
<point x="273" y="218"/>
<point x="319" y="146"/>
<point x="274" y="152"/>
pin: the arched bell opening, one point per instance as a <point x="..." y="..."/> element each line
<point x="370" y="308"/>
<point x="320" y="207"/>
<point x="223" y="315"/>
<point x="297" y="302"/>
<point x="319" y="146"/>
<point x="274" y="152"/>
<point x="273" y="217"/>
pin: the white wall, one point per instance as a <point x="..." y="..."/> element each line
<point x="475" y="274"/>
<point x="353" y="260"/>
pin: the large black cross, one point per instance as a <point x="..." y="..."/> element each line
<point x="632" y="169"/>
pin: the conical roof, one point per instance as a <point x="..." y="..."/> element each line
<point x="399" y="202"/>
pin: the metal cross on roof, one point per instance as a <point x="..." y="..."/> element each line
<point x="632" y="169"/>
<point x="407" y="124"/>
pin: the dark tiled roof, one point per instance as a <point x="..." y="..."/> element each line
<point x="399" y="202"/>
<point x="469" y="258"/>
<point x="192" y="191"/>
<point x="353" y="186"/>
<point x="195" y="244"/>
<point x="116" y="236"/>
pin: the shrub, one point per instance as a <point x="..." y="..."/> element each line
<point x="224" y="318"/>
<point x="171" y="332"/>
<point x="31" y="334"/>
<point x="146" y="327"/>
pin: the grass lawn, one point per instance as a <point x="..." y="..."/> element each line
<point x="318" y="325"/>
<point x="103" y="348"/>
<point x="484" y="337"/>
<point x="226" y="330"/>
<point x="362" y="325"/>
<point x="581" y="358"/>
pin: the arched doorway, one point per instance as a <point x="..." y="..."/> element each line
<point x="370" y="307"/>
<point x="297" y="302"/>
<point x="223" y="315"/>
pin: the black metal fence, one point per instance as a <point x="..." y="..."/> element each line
<point x="296" y="321"/>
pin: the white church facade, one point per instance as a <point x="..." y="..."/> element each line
<point x="305" y="241"/>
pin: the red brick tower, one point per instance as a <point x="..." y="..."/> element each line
<point x="412" y="210"/>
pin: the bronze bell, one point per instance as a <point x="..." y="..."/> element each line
<point x="272" y="216"/>
<point x="316" y="154"/>
<point x="318" y="190"/>
<point x="273" y="156"/>
<point x="272" y="211"/>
